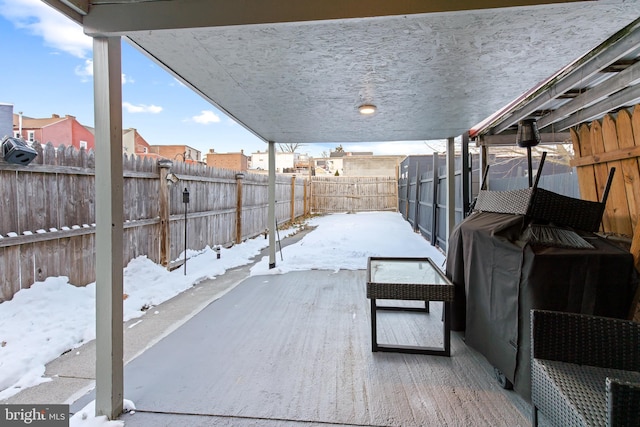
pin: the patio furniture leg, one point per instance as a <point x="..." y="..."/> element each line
<point x="534" y="416"/>
<point x="446" y="347"/>
<point x="374" y="333"/>
<point x="446" y="312"/>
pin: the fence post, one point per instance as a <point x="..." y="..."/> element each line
<point x="434" y="215"/>
<point x="163" y="199"/>
<point x="416" y="208"/>
<point x="304" y="199"/>
<point x="312" y="204"/>
<point x="239" y="178"/>
<point x="293" y="198"/>
<point x="397" y="187"/>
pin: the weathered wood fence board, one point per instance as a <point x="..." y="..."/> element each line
<point x="48" y="213"/>
<point x="598" y="147"/>
<point x="353" y="194"/>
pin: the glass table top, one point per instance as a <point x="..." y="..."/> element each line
<point x="408" y="271"/>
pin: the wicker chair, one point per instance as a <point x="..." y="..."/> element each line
<point x="585" y="369"/>
<point x="544" y="205"/>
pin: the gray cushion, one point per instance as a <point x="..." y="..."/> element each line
<point x="567" y="388"/>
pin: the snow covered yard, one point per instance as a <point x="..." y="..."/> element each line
<point x="54" y="316"/>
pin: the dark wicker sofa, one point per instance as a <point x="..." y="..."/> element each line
<point x="585" y="369"/>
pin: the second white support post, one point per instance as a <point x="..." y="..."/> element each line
<point x="451" y="187"/>
<point x="107" y="77"/>
<point x="271" y="215"/>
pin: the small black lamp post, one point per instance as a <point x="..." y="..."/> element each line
<point x="528" y="136"/>
<point x="185" y="200"/>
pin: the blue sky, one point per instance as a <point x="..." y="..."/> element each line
<point x="47" y="70"/>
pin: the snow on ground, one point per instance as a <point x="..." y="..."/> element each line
<point x="345" y="241"/>
<point x="54" y="316"/>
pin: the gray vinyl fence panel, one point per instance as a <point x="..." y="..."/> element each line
<point x="422" y="190"/>
<point x="562" y="183"/>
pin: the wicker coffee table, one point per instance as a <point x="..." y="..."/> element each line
<point x="416" y="279"/>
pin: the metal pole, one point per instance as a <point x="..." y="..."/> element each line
<point x="279" y="244"/>
<point x="465" y="177"/>
<point x="529" y="167"/>
<point x="185" y="200"/>
<point x="185" y="239"/>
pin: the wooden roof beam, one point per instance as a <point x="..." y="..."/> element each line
<point x="612" y="50"/>
<point x="626" y="97"/>
<point x="510" y="139"/>
<point x="72" y="9"/>
<point x="628" y="77"/>
<point x="120" y="17"/>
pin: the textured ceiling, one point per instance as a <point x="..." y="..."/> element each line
<point x="431" y="75"/>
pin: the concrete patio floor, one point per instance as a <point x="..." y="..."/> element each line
<point x="287" y="350"/>
<point x="295" y="350"/>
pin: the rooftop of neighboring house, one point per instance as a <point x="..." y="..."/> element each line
<point x="31" y="122"/>
<point x="350" y="153"/>
<point x="172" y="146"/>
<point x="212" y="151"/>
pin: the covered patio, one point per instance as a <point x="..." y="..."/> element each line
<point x="295" y="350"/>
<point x="293" y="72"/>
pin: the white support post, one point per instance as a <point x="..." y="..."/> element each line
<point x="271" y="216"/>
<point x="451" y="187"/>
<point x="107" y="77"/>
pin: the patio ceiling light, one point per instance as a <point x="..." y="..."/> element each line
<point x="367" y="109"/>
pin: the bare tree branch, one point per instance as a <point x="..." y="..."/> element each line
<point x="290" y="148"/>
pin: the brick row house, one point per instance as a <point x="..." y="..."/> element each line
<point x="134" y="143"/>
<point x="234" y="161"/>
<point x="180" y="153"/>
<point x="68" y="131"/>
<point x="55" y="129"/>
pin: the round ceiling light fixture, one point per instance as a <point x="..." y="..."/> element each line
<point x="367" y="109"/>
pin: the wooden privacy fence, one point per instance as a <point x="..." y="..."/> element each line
<point x="353" y="194"/>
<point x="600" y="146"/>
<point x="48" y="213"/>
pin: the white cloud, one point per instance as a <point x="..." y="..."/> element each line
<point x="38" y="19"/>
<point x="177" y="82"/>
<point x="141" y="108"/>
<point x="206" y="117"/>
<point x="85" y="72"/>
